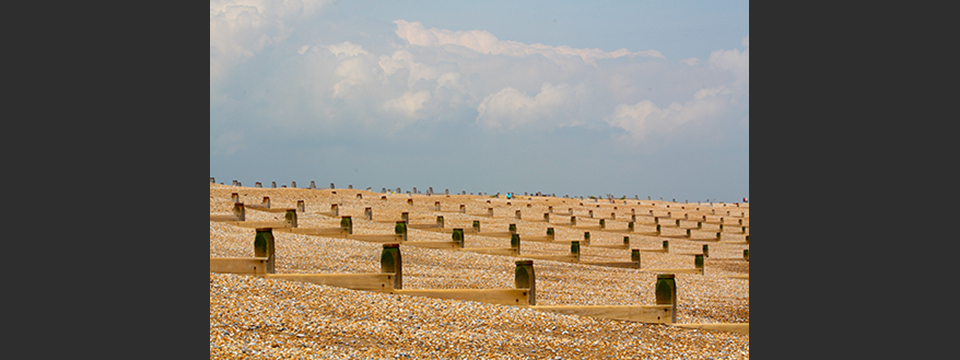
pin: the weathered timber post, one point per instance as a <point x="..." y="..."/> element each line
<point x="401" y="229"/>
<point x="688" y="233"/>
<point x="239" y="212"/>
<point x="550" y="233"/>
<point x="359" y="196"/>
<point x="658" y="230"/>
<point x="258" y="184"/>
<point x="293" y="184"/>
<point x="698" y="262"/>
<point x="440" y="222"/>
<point x="575" y="249"/>
<point x="546" y="217"/>
<point x="678" y="223"/>
<point x="235" y="183"/>
<point x="515" y="243"/>
<point x="718" y="236"/>
<point x="436" y="206"/>
<point x="590" y="212"/>
<point x="476" y="226"/>
<point x="274" y="184"/>
<point x="331" y="186"/>
<point x="626" y="241"/>
<point x="350" y="186"/>
<point x="291" y="217"/>
<point x="586" y="238"/>
<point x="301" y="206"/>
<point x="463" y="209"/>
<point x="512" y="228"/>
<point x="747" y="239"/>
<point x="266" y="202"/>
<point x="490" y="212"/>
<point x="633" y="217"/>
<point x="746" y="254"/>
<point x="405" y="216"/>
<point x="410" y="202"/>
<point x="666" y="293"/>
<point x="335" y="209"/>
<point x="525" y="278"/>
<point x="368" y="212"/>
<point x="603" y="224"/>
<point x="346" y="224"/>
<point x="383" y="198"/>
<point x="517" y="214"/>
<point x="630" y="226"/>
<point x="573" y="220"/>
<point x="550" y="209"/>
<point x="458" y="237"/>
<point x="263" y="246"/>
<point x="391" y="262"/>
<point x="613" y="216"/>
<point x="235" y="197"/>
<point x="212" y="181"/>
<point x="666" y="246"/>
<point x="313" y="184"/>
<point x="706" y="250"/>
<point x="635" y="256"/>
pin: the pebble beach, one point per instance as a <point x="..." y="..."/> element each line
<point x="253" y="317"/>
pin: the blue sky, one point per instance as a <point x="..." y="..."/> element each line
<point x="647" y="98"/>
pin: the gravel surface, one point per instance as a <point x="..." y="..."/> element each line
<point x="264" y="318"/>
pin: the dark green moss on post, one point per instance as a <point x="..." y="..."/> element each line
<point x="718" y="236"/>
<point x="392" y="262"/>
<point x="575" y="249"/>
<point x="239" y="212"/>
<point x="626" y="241"/>
<point x="698" y="262"/>
<point x="346" y="224"/>
<point x="666" y="293"/>
<point x="658" y="230"/>
<point x="291" y="217"/>
<point x="603" y="224"/>
<point x="630" y="226"/>
<point x="515" y="243"/>
<point x="263" y="246"/>
<point x="678" y="222"/>
<point x="401" y="229"/>
<point x="666" y="245"/>
<point x="706" y="250"/>
<point x="747" y="239"/>
<point x="476" y="225"/>
<point x="746" y="254"/>
<point x="440" y="222"/>
<point x="699" y="225"/>
<point x="525" y="278"/>
<point x="586" y="238"/>
<point x="550" y="233"/>
<point x="512" y="228"/>
<point x="458" y="237"/>
<point x="635" y="256"/>
<point x="573" y="220"/>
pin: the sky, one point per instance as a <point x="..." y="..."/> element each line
<point x="585" y="98"/>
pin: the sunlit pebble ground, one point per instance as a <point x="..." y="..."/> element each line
<point x="277" y="319"/>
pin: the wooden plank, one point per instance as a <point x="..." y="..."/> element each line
<point x="492" y="251"/>
<point x="422" y="226"/>
<point x="616" y="264"/>
<point x="490" y="296"/>
<point x="239" y="265"/>
<point x="377" y="238"/>
<point x="266" y="209"/>
<point x="660" y="250"/>
<point x="369" y="282"/>
<point x="545" y="239"/>
<point x="740" y="328"/>
<point x="563" y="258"/>
<point x="432" y="244"/>
<point x="607" y="246"/>
<point x="316" y="231"/>
<point x="505" y="234"/>
<point x="679" y="271"/>
<point x="741" y="277"/>
<point x="222" y="217"/>
<point x="654" y="314"/>
<point x="276" y="225"/>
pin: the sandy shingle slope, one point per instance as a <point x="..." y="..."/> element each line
<point x="259" y="318"/>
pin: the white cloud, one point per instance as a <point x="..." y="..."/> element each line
<point x="346" y="48"/>
<point x="486" y="43"/>
<point x="510" y="108"/>
<point x="408" y="104"/>
<point x="644" y="118"/>
<point x="303" y="49"/>
<point x="691" y="61"/>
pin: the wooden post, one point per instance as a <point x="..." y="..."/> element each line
<point x="346" y="224"/>
<point x="476" y="225"/>
<point x="359" y="196"/>
<point x="590" y="212"/>
<point x="401" y="229"/>
<point x="746" y="254"/>
<point x="573" y="220"/>
<point x="463" y="209"/>
<point x="603" y="224"/>
<point x="291" y="217"/>
<point x="331" y="185"/>
<point x="666" y="246"/>
<point x="392" y="262"/>
<point x="368" y="212"/>
<point x="263" y="246"/>
<point x="512" y="228"/>
<point x="575" y="249"/>
<point x="546" y="217"/>
<point x="613" y="216"/>
<point x="550" y="233"/>
<point x="658" y="230"/>
<point x="440" y="222"/>
<point x="313" y="184"/>
<point x="515" y="243"/>
<point x="706" y="250"/>
<point x="698" y="262"/>
<point x="235" y="197"/>
<point x="212" y="181"/>
<point x="490" y="212"/>
<point x="266" y="202"/>
<point x="525" y="278"/>
<point x="239" y="212"/>
<point x="436" y="206"/>
<point x="458" y="237"/>
<point x="550" y="209"/>
<point x="293" y="184"/>
<point x="405" y="216"/>
<point x="410" y="202"/>
<point x="335" y="209"/>
<point x="747" y="239"/>
<point x="626" y="241"/>
<point x="633" y="217"/>
<point x="274" y="184"/>
<point x="635" y="256"/>
<point x="301" y="206"/>
<point x="586" y="238"/>
<point x="630" y="226"/>
<point x="666" y="293"/>
<point x="517" y="214"/>
<point x="258" y="184"/>
<point x="383" y="198"/>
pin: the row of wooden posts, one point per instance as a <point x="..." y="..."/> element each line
<point x="390" y="280"/>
